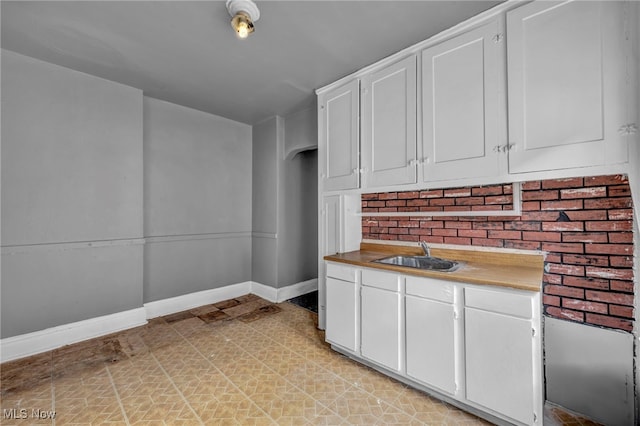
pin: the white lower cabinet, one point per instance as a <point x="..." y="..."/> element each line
<point x="501" y="341"/>
<point x="431" y="330"/>
<point x="380" y="327"/>
<point x="380" y="319"/>
<point x="342" y="306"/>
<point x="474" y="345"/>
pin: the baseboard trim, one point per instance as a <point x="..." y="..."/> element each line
<point x="40" y="341"/>
<point x="277" y="295"/>
<point x="28" y="344"/>
<point x="266" y="292"/>
<point x="297" y="289"/>
<point x="193" y="300"/>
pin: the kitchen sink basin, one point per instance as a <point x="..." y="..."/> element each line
<point x="421" y="262"/>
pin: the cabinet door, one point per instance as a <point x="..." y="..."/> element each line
<point x="567" y="85"/>
<point x="341" y="320"/>
<point x="499" y="363"/>
<point x="430" y="342"/>
<point x="463" y="118"/>
<point x="389" y="125"/>
<point x="380" y="325"/>
<point x="329" y="227"/>
<point x="339" y="137"/>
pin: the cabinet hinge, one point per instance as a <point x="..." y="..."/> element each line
<point x="628" y="129"/>
<point x="533" y="332"/>
<point x="498" y="38"/>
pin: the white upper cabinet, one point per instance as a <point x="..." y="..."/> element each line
<point x="339" y="137"/>
<point x="463" y="115"/>
<point x="389" y="125"/>
<point x="552" y="90"/>
<point x="567" y="85"/>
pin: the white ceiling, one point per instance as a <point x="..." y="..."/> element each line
<point x="185" y="52"/>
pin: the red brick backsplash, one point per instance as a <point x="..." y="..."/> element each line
<point x="584" y="224"/>
<point x="496" y="197"/>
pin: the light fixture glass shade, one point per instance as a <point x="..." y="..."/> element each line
<point x="242" y="24"/>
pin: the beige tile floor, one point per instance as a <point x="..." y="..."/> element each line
<point x="238" y="362"/>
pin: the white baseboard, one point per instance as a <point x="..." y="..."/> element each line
<point x="51" y="338"/>
<point x="277" y="295"/>
<point x="266" y="292"/>
<point x="55" y="337"/>
<point x="193" y="300"/>
<point x="297" y="289"/>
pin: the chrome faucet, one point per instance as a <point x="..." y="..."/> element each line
<point x="425" y="248"/>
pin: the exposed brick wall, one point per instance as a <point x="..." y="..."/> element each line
<point x="494" y="197"/>
<point x="584" y="224"/>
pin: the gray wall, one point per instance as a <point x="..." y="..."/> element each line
<point x="89" y="168"/>
<point x="301" y="132"/>
<point x="634" y="181"/>
<point x="267" y="145"/>
<point x="285" y="200"/>
<point x="71" y="196"/>
<point x="111" y="200"/>
<point x="634" y="145"/>
<point x="197" y="201"/>
<point x="589" y="370"/>
<point x="298" y="218"/>
<point x="298" y="236"/>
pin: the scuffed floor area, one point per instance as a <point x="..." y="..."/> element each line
<point x="243" y="361"/>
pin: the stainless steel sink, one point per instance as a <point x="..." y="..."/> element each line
<point x="421" y="262"/>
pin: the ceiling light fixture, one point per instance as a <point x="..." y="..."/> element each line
<point x="244" y="13"/>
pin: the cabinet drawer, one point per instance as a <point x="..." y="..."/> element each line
<point x="341" y="272"/>
<point x="383" y="280"/>
<point x="504" y="302"/>
<point x="441" y="291"/>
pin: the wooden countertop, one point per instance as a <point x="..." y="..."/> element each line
<point x="514" y="270"/>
